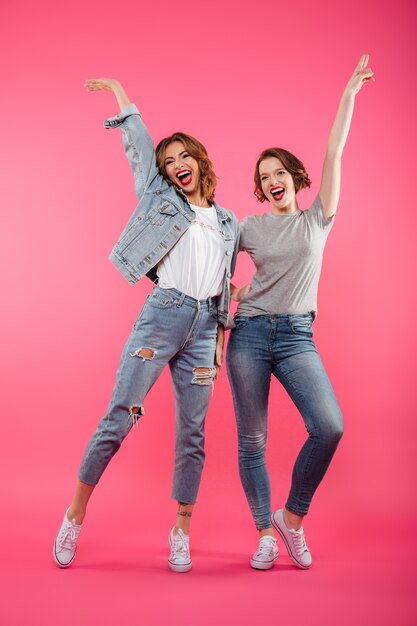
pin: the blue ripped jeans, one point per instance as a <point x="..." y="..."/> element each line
<point x="281" y="345"/>
<point x="176" y="329"/>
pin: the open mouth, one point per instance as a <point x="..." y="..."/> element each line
<point x="185" y="177"/>
<point x="278" y="193"/>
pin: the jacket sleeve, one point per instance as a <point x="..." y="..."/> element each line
<point x="138" y="146"/>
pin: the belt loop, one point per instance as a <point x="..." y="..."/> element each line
<point x="181" y="299"/>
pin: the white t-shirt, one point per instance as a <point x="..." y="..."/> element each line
<point x="196" y="264"/>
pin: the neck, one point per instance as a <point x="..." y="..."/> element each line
<point x="292" y="207"/>
<point x="197" y="199"/>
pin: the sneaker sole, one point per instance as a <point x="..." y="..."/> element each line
<point x="284" y="539"/>
<point x="180" y="569"/>
<point x="263" y="565"/>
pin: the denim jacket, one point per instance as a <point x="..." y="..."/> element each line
<point x="162" y="215"/>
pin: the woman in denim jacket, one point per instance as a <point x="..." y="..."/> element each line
<point x="184" y="241"/>
<point x="273" y="333"/>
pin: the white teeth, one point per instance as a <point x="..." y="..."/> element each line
<point x="183" y="174"/>
<point x="277" y="191"/>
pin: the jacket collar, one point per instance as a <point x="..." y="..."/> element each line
<point x="222" y="213"/>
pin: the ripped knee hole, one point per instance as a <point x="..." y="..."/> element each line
<point x="146" y="354"/>
<point x="135" y="412"/>
<point x="203" y="375"/>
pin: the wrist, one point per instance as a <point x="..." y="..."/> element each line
<point x="349" y="93"/>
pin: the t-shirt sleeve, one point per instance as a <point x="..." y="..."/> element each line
<point x="316" y="213"/>
<point x="242" y="239"/>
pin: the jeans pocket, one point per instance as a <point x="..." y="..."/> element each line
<point x="302" y="325"/>
<point x="161" y="299"/>
<point x="213" y="312"/>
<point x="240" y="321"/>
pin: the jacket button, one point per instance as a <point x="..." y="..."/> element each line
<point x="228" y="252"/>
<point x="228" y="274"/>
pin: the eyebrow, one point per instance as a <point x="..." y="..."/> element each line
<point x="277" y="169"/>
<point x="179" y="154"/>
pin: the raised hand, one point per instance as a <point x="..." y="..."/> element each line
<point x="360" y="76"/>
<point x="101" y="84"/>
<point x="108" y="84"/>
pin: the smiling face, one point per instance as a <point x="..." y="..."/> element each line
<point x="183" y="161"/>
<point x="277" y="185"/>
<point x="181" y="168"/>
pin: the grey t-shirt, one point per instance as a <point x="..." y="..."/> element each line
<point x="287" y="251"/>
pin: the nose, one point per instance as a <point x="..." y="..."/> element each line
<point x="179" y="164"/>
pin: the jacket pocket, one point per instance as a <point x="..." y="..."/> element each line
<point x="164" y="211"/>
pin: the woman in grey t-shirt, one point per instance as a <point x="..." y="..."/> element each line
<point x="273" y="333"/>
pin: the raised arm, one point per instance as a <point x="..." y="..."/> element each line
<point x="137" y="142"/>
<point x="330" y="181"/>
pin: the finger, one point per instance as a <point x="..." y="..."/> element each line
<point x="363" y="61"/>
<point x="97" y="86"/>
<point x="359" y="66"/>
<point x="90" y="84"/>
<point x="367" y="74"/>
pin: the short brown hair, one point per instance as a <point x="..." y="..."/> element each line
<point x="208" y="178"/>
<point x="291" y="164"/>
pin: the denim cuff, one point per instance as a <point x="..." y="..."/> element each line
<point x="113" y="122"/>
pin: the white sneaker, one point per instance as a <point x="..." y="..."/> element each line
<point x="179" y="559"/>
<point x="266" y="554"/>
<point x="294" y="541"/>
<point x="65" y="544"/>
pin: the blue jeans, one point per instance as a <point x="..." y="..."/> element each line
<point x="281" y="345"/>
<point x="176" y="329"/>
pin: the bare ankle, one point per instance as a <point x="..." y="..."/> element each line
<point x="74" y="514"/>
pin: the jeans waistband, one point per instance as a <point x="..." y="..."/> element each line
<point x="182" y="298"/>
<point x="278" y="316"/>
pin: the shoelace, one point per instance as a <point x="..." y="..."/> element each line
<point x="265" y="546"/>
<point x="69" y="537"/>
<point x="299" y="541"/>
<point x="180" y="545"/>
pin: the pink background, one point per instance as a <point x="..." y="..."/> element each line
<point x="241" y="77"/>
